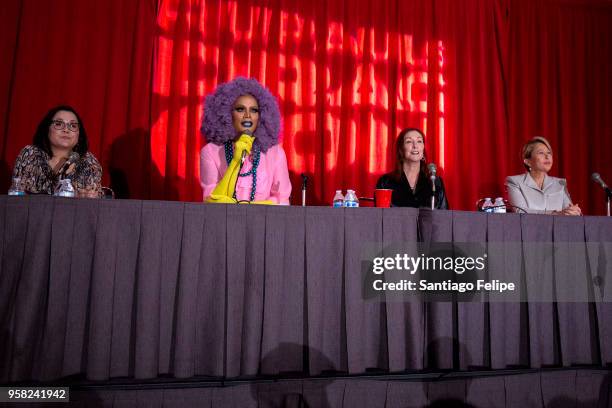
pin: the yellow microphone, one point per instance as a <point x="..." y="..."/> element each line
<point x="224" y="191"/>
<point x="245" y="143"/>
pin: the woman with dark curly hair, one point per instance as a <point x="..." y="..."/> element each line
<point x="242" y="124"/>
<point x="60" y="136"/>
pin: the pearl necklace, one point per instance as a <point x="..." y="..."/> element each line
<point x="229" y="155"/>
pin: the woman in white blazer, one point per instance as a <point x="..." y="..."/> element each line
<point x="535" y="191"/>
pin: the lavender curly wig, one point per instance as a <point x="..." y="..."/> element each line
<point x="217" y="124"/>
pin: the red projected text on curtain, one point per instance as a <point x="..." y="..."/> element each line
<point x="345" y="88"/>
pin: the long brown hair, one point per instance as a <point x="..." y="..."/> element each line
<point x="399" y="153"/>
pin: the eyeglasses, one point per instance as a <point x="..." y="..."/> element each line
<point x="61" y="125"/>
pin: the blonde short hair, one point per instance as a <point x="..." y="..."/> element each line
<point x="530" y="145"/>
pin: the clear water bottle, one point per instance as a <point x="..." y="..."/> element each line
<point x="487" y="206"/>
<point x="351" y="199"/>
<point x="499" y="206"/>
<point x="16" y="188"/>
<point x="64" y="189"/>
<point x="338" y="199"/>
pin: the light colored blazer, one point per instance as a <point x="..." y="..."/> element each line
<point x="523" y="192"/>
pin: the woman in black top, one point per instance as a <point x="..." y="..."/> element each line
<point x="409" y="181"/>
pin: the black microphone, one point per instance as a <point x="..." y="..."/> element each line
<point x="73" y="158"/>
<point x="597" y="178"/>
<point x="432" y="176"/>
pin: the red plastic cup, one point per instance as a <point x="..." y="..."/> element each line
<point x="382" y="197"/>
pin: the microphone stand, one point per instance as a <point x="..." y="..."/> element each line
<point x="304" y="182"/>
<point x="608" y="194"/>
<point x="433" y="192"/>
<point x="432" y="176"/>
<point x="608" y="197"/>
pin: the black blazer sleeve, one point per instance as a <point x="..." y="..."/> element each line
<point x="442" y="201"/>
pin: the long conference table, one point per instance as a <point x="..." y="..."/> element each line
<point x="143" y="289"/>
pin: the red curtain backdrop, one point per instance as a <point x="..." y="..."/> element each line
<point x="479" y="76"/>
<point x="559" y="86"/>
<point x="94" y="55"/>
<point x="348" y="76"/>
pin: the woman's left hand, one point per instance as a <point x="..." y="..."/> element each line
<point x="573" y="209"/>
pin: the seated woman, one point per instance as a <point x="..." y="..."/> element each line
<point x="535" y="191"/>
<point x="242" y="124"/>
<point x="40" y="166"/>
<point x="409" y="181"/>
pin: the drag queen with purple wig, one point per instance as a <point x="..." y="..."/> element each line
<point x="242" y="161"/>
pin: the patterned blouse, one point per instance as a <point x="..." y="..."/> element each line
<point x="36" y="176"/>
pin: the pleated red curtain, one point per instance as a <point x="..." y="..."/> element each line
<point x="480" y="77"/>
<point x="94" y="55"/>
<point x="559" y="86"/>
<point x="348" y="77"/>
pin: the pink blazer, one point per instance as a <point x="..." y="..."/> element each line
<point x="272" y="174"/>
